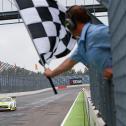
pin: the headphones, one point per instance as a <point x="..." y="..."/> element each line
<point x="70" y="21"/>
<point x="70" y="24"/>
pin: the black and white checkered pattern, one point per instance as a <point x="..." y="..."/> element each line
<point x="45" y="21"/>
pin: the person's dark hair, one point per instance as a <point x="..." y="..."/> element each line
<point x="76" y="14"/>
<point x="79" y="13"/>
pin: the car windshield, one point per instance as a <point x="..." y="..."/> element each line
<point x="5" y="99"/>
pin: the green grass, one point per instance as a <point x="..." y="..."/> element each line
<point x="78" y="115"/>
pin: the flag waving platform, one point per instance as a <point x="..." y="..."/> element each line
<point x="45" y="22"/>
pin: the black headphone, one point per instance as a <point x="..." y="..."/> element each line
<point x="70" y="24"/>
<point x="70" y="21"/>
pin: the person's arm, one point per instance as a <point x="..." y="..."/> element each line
<point x="66" y="65"/>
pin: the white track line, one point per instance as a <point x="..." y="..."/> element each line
<point x="62" y="124"/>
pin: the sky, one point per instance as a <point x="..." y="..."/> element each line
<point x="16" y="46"/>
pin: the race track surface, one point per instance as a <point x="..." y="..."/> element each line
<point x="43" y="109"/>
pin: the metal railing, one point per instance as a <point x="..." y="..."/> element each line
<point x="65" y="80"/>
<point x="16" y="79"/>
<point x="102" y="94"/>
<point x="104" y="2"/>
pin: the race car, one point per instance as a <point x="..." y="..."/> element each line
<point x="8" y="103"/>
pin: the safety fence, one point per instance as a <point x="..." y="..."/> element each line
<point x="104" y="2"/>
<point x="65" y="80"/>
<point x="102" y="95"/>
<point x="16" y="79"/>
<point x="90" y="112"/>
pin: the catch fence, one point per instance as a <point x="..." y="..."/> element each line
<point x="16" y="79"/>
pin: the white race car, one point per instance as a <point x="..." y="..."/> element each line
<point x="8" y="103"/>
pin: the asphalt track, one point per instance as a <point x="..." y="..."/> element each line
<point x="42" y="109"/>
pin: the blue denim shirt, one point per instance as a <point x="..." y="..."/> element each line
<point x="93" y="47"/>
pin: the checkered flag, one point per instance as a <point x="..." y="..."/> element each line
<point x="45" y="21"/>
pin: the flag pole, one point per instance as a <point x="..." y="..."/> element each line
<point x="42" y="60"/>
<point x="53" y="87"/>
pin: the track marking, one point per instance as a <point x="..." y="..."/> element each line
<point x="69" y="111"/>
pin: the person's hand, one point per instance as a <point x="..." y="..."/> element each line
<point x="107" y="73"/>
<point x="48" y="73"/>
